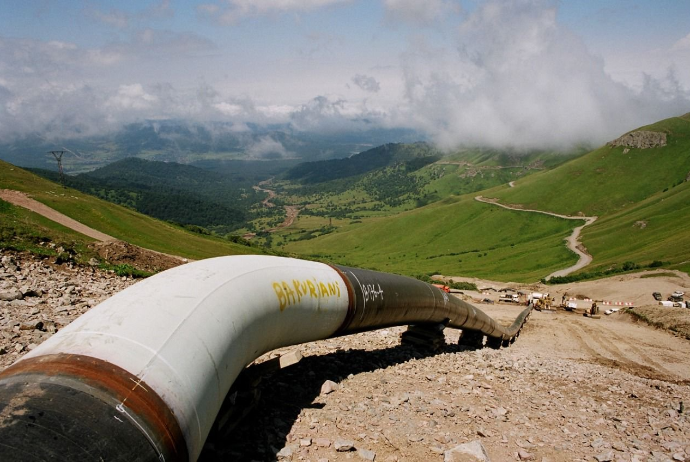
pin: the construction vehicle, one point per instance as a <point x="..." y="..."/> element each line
<point x="443" y="287"/>
<point x="540" y="301"/>
<point x="569" y="306"/>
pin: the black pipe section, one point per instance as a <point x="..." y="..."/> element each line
<point x="380" y="300"/>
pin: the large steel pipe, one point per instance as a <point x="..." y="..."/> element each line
<point x="142" y="376"/>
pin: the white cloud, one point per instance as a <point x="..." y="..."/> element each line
<point x="506" y="74"/>
<point x="515" y="77"/>
<point x="231" y="11"/>
<point x="322" y="114"/>
<point x="419" y="12"/>
<point x="132" y="97"/>
<point x="229" y="109"/>
<point x="267" y="148"/>
<point x="366" y="83"/>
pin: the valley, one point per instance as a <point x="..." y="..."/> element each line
<point x="373" y="208"/>
<point x="613" y="386"/>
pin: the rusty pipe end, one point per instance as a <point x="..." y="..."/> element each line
<point x="73" y="407"/>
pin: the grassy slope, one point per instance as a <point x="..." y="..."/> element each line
<point x="607" y="179"/>
<point x="22" y="229"/>
<point x="657" y="228"/>
<point x="640" y="196"/>
<point x="114" y="220"/>
<point x="456" y="237"/>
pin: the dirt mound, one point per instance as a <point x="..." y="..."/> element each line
<point x="121" y="252"/>
<point x="673" y="319"/>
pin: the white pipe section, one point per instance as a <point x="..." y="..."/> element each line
<point x="190" y="331"/>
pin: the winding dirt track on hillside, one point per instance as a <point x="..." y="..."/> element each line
<point x="109" y="248"/>
<point x="572" y="242"/>
<point x="22" y="200"/>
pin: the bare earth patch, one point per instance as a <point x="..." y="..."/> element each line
<point x="121" y="252"/>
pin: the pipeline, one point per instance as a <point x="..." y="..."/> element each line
<point x="141" y="377"/>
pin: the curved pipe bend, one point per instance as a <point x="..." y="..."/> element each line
<point x="149" y="368"/>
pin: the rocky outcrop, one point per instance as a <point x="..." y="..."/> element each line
<point x="640" y="139"/>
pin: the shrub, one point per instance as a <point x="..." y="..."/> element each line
<point x="629" y="266"/>
<point x="128" y="270"/>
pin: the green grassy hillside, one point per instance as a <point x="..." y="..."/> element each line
<point x="457" y="236"/>
<point x="608" y="179"/>
<point x="111" y="219"/>
<point x="640" y="195"/>
<point x="21" y="229"/>
<point x="415" y="154"/>
<point x="655" y="229"/>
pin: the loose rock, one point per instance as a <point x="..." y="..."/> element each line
<point x="469" y="452"/>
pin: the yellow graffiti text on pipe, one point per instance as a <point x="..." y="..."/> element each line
<point x="291" y="293"/>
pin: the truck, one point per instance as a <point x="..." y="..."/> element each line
<point x="509" y="298"/>
<point x="676" y="296"/>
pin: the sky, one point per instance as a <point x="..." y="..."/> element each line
<point x="500" y="73"/>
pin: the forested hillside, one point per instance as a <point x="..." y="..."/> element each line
<point x="169" y="191"/>
<point x="24" y="230"/>
<point x="413" y="156"/>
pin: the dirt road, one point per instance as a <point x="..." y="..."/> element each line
<point x="22" y="200"/>
<point x="109" y="248"/>
<point x="572" y="242"/>
<point x="613" y="341"/>
<point x="271" y="194"/>
<point x="291" y="212"/>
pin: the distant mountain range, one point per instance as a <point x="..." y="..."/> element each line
<point x="184" y="142"/>
<point x="415" y="155"/>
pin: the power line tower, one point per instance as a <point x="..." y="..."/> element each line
<point x="58" y="157"/>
